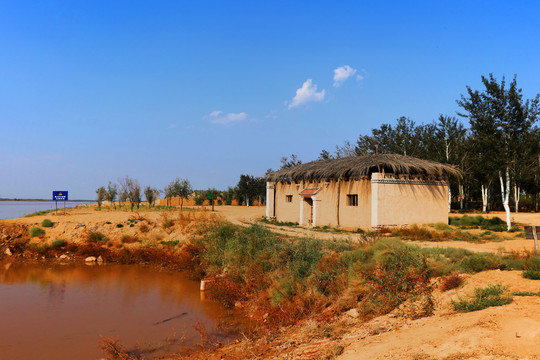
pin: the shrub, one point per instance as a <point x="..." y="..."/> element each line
<point x="531" y="274"/>
<point x="525" y="293"/>
<point x="108" y="223"/>
<point x="481" y="262"/>
<point x="36" y="231"/>
<point x="492" y="295"/>
<point x="119" y="225"/>
<point x="128" y="239"/>
<point x="96" y="237"/>
<point x="451" y="282"/>
<point x="226" y="291"/>
<point x="144" y="228"/>
<point x="466" y="221"/>
<point x="58" y="243"/>
<point x="47" y="223"/>
<point x="401" y="274"/>
<point x="167" y="224"/>
<point x="170" y="242"/>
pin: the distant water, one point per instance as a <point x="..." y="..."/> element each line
<point x="17" y="209"/>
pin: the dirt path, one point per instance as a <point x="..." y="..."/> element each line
<point x="507" y="332"/>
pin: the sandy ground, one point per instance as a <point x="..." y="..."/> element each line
<point x="507" y="332"/>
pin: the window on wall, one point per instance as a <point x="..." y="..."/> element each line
<point x="352" y="200"/>
<point x="288" y="198"/>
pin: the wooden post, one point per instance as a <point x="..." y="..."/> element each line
<point x="535" y="237"/>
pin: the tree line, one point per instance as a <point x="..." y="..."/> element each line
<point x="248" y="189"/>
<point x="493" y="140"/>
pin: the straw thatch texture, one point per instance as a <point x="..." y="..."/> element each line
<point x="356" y="167"/>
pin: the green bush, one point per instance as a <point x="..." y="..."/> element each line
<point x="119" y="225"/>
<point x="531" y="274"/>
<point x="96" y="237"/>
<point x="525" y="293"/>
<point x="36" y="231"/>
<point x="492" y="295"/>
<point x="47" y="223"/>
<point x="481" y="262"/>
<point x="170" y="242"/>
<point x="58" y="243"/>
<point x="466" y="221"/>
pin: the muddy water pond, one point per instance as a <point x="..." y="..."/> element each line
<point x="63" y="311"/>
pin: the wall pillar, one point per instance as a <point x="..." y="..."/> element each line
<point x="313" y="198"/>
<point x="270" y="205"/>
<point x="300" y="222"/>
<point x="374" y="199"/>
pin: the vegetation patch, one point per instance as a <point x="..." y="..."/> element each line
<point x="96" y="237"/>
<point x="46" y="223"/>
<point x="492" y="295"/>
<point x="58" y="243"/>
<point x="279" y="223"/>
<point x="170" y="242"/>
<point x="478" y="222"/>
<point x="525" y="293"/>
<point x="451" y="281"/>
<point x="36" y="231"/>
<point x="531" y="274"/>
<point x="129" y="239"/>
<point x="39" y="213"/>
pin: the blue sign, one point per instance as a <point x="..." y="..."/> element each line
<point x="60" y="195"/>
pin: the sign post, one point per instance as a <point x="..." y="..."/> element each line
<point x="60" y="196"/>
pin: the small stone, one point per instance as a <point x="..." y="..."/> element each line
<point x="90" y="259"/>
<point x="63" y="257"/>
<point x="100" y="260"/>
<point x="352" y="313"/>
<point x="8" y="252"/>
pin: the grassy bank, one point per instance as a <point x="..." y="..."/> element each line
<point x="279" y="281"/>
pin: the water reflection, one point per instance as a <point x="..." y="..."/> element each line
<point x="60" y="311"/>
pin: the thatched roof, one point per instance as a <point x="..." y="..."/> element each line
<point x="356" y="167"/>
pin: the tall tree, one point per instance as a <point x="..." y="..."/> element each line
<point x="288" y="162"/>
<point x="500" y="122"/>
<point x="151" y="194"/>
<point x="182" y="188"/>
<point x="112" y="192"/>
<point x="100" y="195"/>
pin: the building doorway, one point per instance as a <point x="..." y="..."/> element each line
<point x="308" y="211"/>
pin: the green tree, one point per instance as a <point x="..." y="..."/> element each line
<point x="168" y="192"/>
<point x="100" y="195"/>
<point x="500" y="122"/>
<point x="183" y="189"/>
<point x="151" y="194"/>
<point x="131" y="191"/>
<point x="288" y="162"/>
<point x="112" y="192"/>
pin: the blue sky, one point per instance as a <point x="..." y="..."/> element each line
<point x="207" y="90"/>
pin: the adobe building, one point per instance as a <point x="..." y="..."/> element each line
<point x="361" y="192"/>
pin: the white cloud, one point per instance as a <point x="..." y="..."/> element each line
<point x="307" y="93"/>
<point x="172" y="126"/>
<point x="342" y="73"/>
<point x="218" y="117"/>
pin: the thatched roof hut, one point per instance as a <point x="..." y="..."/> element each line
<point x="357" y="167"/>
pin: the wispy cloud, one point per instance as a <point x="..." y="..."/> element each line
<point x="342" y="73"/>
<point x="219" y="117"/>
<point x="172" y="126"/>
<point x="306" y="94"/>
